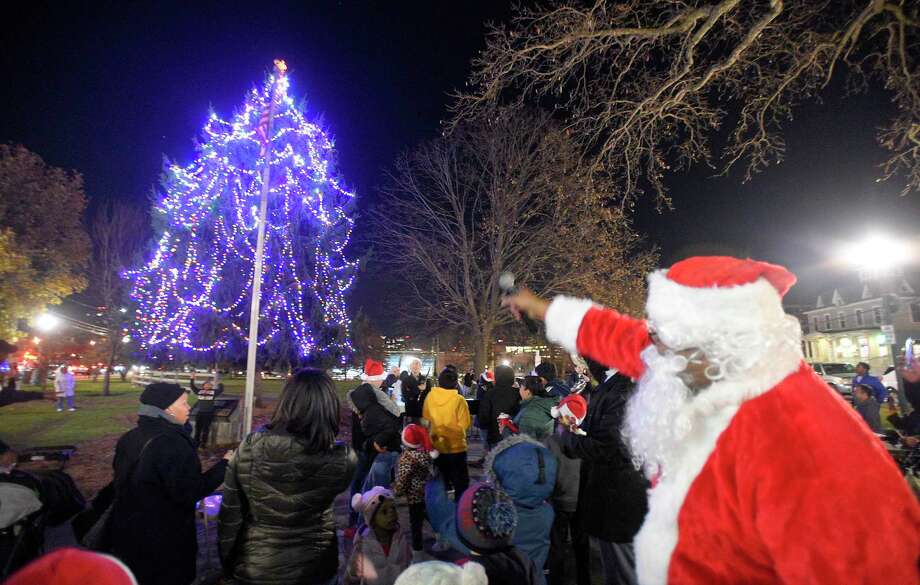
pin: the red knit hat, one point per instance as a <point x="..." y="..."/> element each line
<point x="72" y="566"/>
<point x="373" y="370"/>
<point x="416" y="437"/>
<point x="705" y="294"/>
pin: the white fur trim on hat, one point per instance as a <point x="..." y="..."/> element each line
<point x="554" y="412"/>
<point x="563" y="318"/>
<point x="683" y="316"/>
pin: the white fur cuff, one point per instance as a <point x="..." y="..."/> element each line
<point x="563" y="318"/>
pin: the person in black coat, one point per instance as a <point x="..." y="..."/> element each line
<point x="277" y="523"/>
<point x="205" y="416"/>
<point x="158" y="480"/>
<point x="415" y="387"/>
<point x="502" y="398"/>
<point x="382" y="433"/>
<point x="612" y="500"/>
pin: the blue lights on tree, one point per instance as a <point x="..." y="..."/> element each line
<point x="194" y="293"/>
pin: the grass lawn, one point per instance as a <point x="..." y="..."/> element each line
<point x="36" y="423"/>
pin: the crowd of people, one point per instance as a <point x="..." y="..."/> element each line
<point x="696" y="458"/>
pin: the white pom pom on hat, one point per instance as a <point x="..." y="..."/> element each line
<point x="441" y="573"/>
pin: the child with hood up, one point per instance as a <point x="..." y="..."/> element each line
<point x="380" y="551"/>
<point x="525" y="470"/>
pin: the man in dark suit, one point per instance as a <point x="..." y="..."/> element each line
<point x="612" y="500"/>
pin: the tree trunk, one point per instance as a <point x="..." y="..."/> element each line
<point x="107" y="378"/>
<point x="482" y="348"/>
<point x="257" y="391"/>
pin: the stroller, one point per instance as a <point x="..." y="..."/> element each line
<point x="33" y="501"/>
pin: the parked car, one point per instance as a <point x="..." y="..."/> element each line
<point x="838" y="375"/>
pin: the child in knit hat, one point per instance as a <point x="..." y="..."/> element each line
<point x="482" y="524"/>
<point x="412" y="471"/>
<point x="380" y="552"/>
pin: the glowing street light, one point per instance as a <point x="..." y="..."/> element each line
<point x="47" y="321"/>
<point x="876" y="252"/>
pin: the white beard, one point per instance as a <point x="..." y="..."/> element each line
<point x="657" y="418"/>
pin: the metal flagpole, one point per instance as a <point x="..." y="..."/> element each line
<point x="260" y="249"/>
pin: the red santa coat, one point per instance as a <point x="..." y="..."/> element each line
<point x="779" y="480"/>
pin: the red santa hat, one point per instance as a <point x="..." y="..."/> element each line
<point x="706" y="294"/>
<point x="416" y="437"/>
<point x="373" y="370"/>
<point x="72" y="566"/>
<point x="572" y="406"/>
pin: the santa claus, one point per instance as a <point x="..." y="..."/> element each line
<point x="760" y="472"/>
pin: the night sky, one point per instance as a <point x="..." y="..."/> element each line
<point x="109" y="88"/>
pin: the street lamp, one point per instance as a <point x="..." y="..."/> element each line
<point x="47" y="321"/>
<point x="877" y="254"/>
<point x="876" y="257"/>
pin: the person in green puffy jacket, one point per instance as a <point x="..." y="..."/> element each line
<point x="535" y="417"/>
<point x="276" y="523"/>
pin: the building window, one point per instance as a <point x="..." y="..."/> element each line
<point x="877" y="315"/>
<point x="859" y="316"/>
<point x="814" y="323"/>
<point x="915" y="312"/>
<point x="842" y="318"/>
<point x="827" y="321"/>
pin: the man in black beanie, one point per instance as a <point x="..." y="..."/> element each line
<point x="158" y="480"/>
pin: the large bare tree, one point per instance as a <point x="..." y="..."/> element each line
<point x="651" y="86"/>
<point x="501" y="192"/>
<point x="117" y="231"/>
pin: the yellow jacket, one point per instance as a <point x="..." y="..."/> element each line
<point x="449" y="416"/>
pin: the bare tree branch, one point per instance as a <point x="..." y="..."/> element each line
<point x="502" y="192"/>
<point x="646" y="85"/>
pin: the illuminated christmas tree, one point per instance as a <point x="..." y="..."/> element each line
<point x="194" y="294"/>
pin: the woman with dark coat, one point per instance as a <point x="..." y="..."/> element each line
<point x="504" y="398"/>
<point x="158" y="480"/>
<point x="276" y="523"/>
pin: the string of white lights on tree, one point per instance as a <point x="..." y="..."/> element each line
<point x="194" y="293"/>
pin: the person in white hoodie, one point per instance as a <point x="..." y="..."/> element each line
<point x="64" y="386"/>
